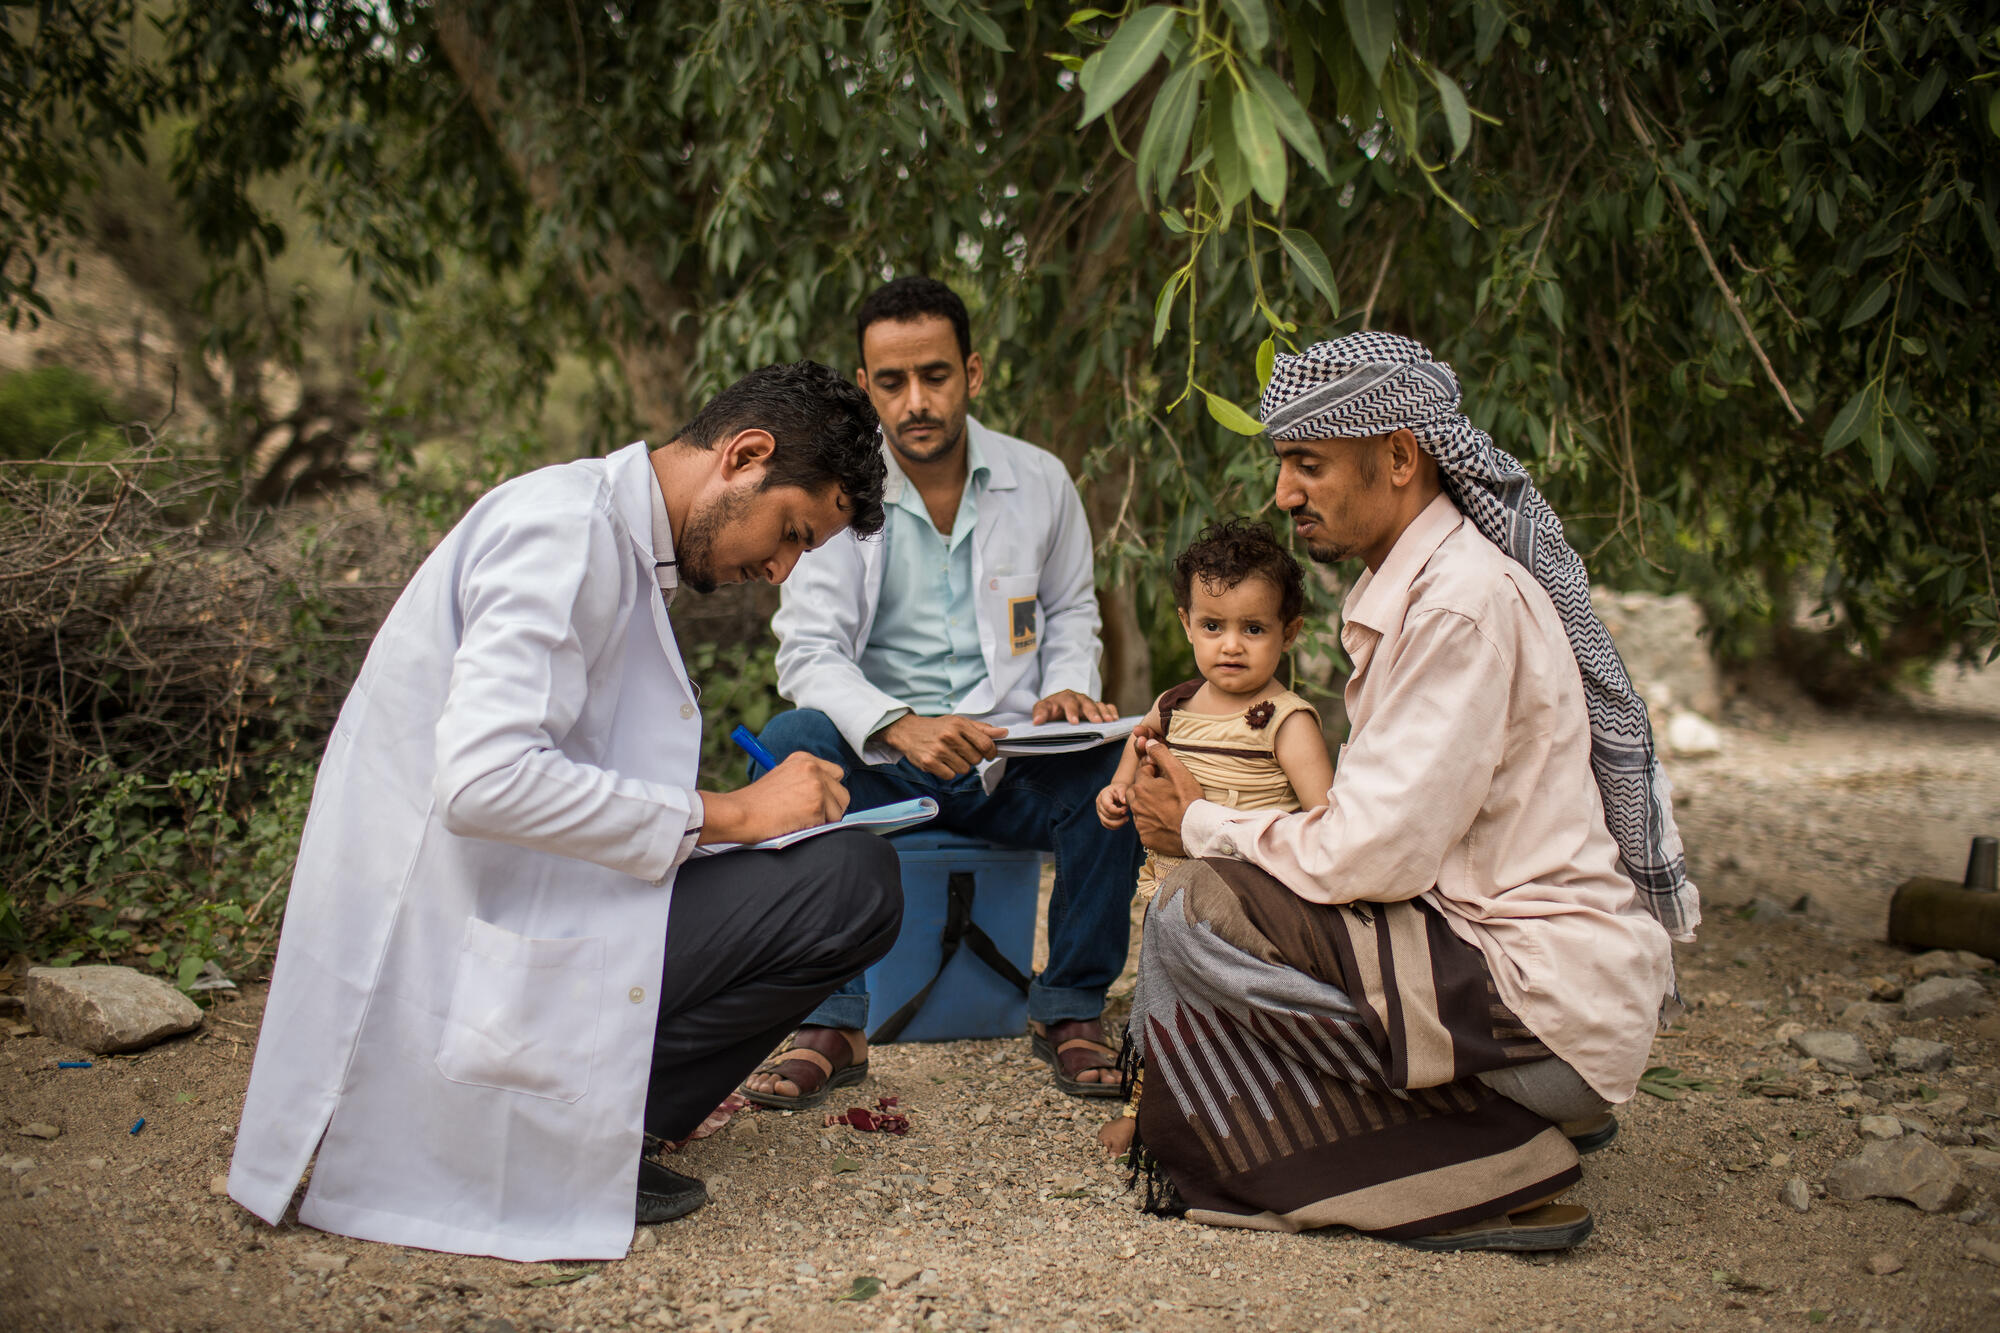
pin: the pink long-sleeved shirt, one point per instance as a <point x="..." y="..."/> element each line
<point x="1466" y="778"/>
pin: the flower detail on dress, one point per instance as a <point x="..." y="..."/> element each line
<point x="1259" y="716"/>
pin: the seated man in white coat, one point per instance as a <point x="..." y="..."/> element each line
<point x="500" y="973"/>
<point x="908" y="657"/>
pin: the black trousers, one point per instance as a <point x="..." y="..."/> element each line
<point x="755" y="940"/>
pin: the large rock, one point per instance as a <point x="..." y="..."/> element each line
<point x="1841" y="1052"/>
<point x="1910" y="1167"/>
<point x="107" y="1009"/>
<point x="1660" y="640"/>
<point x="1944" y="997"/>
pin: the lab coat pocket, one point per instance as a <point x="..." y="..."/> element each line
<point x="523" y="1014"/>
<point x="1020" y="615"/>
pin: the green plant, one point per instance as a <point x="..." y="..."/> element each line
<point x="739" y="685"/>
<point x="54" y="408"/>
<point x="169" y="873"/>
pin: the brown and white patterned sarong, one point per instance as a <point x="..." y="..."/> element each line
<point x="1310" y="1065"/>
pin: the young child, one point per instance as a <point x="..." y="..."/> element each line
<point x="1251" y="743"/>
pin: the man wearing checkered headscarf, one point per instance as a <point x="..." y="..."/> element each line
<point x="1448" y="972"/>
<point x="1370" y="384"/>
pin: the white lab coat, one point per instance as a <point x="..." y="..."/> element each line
<point x="1031" y="541"/>
<point x="462" y="1008"/>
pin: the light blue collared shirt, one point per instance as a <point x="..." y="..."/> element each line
<point x="923" y="648"/>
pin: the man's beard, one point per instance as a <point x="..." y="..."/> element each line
<point x="1322" y="553"/>
<point x="696" y="552"/>
<point x="948" y="440"/>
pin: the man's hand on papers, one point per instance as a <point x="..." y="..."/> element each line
<point x="1160" y="797"/>
<point x="944" y="747"/>
<point x="801" y="792"/>
<point x="1071" y="706"/>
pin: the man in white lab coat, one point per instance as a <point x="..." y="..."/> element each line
<point x="908" y="656"/>
<point x="500" y="972"/>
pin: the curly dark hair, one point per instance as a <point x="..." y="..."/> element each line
<point x="913" y="297"/>
<point x="1226" y="553"/>
<point x="824" y="426"/>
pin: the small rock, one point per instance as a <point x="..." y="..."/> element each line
<point x="1796" y="1195"/>
<point x="1981" y="1167"/>
<point x="16" y="1165"/>
<point x="95" y="1163"/>
<point x="107" y="1009"/>
<point x="1941" y="997"/>
<point x="1883" y="988"/>
<point x="218" y="1184"/>
<point x="39" y="1129"/>
<point x="224" y="1264"/>
<point x="803" y="1269"/>
<point x="1906" y="1168"/>
<point x="318" y="1261"/>
<point x="1938" y="963"/>
<point x="1761" y="910"/>
<point x="927" y="1278"/>
<point x="1914" y="1055"/>
<point x="944" y="1187"/>
<point x="1880" y="1127"/>
<point x="1974" y="962"/>
<point x="1869" y="1012"/>
<point x="1986" y="1251"/>
<point x="1690" y="735"/>
<point x="897" y="1276"/>
<point x="1882" y="1263"/>
<point x="1841" y="1052"/>
<point x="643" y="1239"/>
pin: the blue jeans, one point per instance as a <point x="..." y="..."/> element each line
<point x="1049" y="804"/>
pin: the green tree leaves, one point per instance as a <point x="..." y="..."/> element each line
<point x="1112" y="72"/>
<point x="1371" y="25"/>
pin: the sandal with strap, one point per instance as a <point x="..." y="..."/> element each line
<point x="808" y="1070"/>
<point x="1552" y="1226"/>
<point x="1066" y="1078"/>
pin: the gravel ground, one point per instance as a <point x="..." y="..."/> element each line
<point x="996" y="1211"/>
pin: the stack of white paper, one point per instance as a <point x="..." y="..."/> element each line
<point x="883" y="819"/>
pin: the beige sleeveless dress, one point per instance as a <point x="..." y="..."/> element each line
<point x="1232" y="756"/>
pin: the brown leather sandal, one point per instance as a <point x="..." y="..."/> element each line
<point x="810" y="1071"/>
<point x="1066" y="1078"/>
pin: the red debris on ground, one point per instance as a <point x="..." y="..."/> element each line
<point x="881" y="1120"/>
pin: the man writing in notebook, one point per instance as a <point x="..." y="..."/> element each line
<point x="910" y="656"/>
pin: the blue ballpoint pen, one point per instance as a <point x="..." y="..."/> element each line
<point x="748" y="744"/>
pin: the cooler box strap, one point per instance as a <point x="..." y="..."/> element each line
<point x="959" y="928"/>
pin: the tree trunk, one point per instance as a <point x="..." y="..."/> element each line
<point x="654" y="356"/>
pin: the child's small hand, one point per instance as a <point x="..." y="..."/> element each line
<point x="1112" y="810"/>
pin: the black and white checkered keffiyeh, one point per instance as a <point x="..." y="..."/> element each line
<point x="1372" y="383"/>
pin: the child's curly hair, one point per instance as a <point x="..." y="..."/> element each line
<point x="1226" y="553"/>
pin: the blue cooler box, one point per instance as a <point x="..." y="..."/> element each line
<point x="943" y="874"/>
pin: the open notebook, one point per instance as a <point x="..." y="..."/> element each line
<point x="883" y="819"/>
<point x="1064" y="737"/>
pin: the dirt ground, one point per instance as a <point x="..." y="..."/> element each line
<point x="996" y="1211"/>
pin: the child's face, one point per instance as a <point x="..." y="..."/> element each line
<point x="1237" y="634"/>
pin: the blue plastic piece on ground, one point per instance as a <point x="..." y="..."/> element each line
<point x="72" y="1064"/>
<point x="138" y="1124"/>
<point x="970" y="1001"/>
